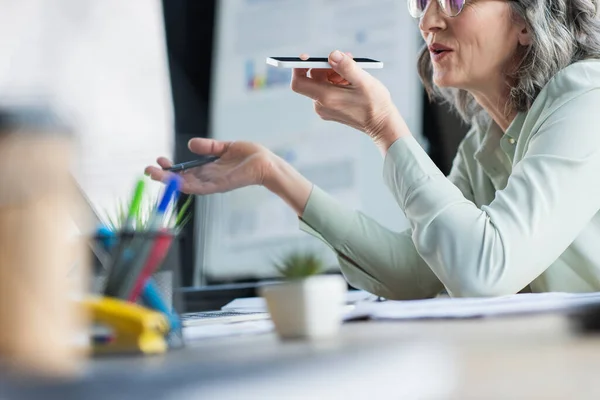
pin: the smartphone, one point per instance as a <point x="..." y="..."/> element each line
<point x="318" y="62"/>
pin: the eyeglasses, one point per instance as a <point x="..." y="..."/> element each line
<point x="451" y="8"/>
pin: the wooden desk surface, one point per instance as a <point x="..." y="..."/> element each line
<point x="530" y="357"/>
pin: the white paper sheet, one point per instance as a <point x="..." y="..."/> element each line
<point x="216" y="330"/>
<point x="476" y="307"/>
<point x="257" y="304"/>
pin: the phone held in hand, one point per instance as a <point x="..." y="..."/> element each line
<point x="318" y="62"/>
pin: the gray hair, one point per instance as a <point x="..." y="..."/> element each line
<point x="563" y="32"/>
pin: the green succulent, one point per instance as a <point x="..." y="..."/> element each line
<point x="298" y="265"/>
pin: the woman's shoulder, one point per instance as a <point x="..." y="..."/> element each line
<point x="568" y="84"/>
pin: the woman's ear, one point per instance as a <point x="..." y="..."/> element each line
<point x="525" y="37"/>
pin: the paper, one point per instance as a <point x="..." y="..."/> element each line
<point x="476" y="307"/>
<point x="248" y="304"/>
<point x="213" y="331"/>
<point x="258" y="304"/>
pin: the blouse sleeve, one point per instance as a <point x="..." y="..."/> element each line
<point x="372" y="257"/>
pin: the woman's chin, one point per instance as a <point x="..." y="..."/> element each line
<point x="445" y="79"/>
<point x="443" y="82"/>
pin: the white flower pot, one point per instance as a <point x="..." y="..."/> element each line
<point x="310" y="308"/>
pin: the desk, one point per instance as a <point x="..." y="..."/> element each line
<point x="528" y="357"/>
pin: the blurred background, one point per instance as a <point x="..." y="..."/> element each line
<point x="137" y="79"/>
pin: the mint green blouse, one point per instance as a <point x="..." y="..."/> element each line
<point x="518" y="211"/>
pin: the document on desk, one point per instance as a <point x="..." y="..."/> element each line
<point x="257" y="304"/>
<point x="221" y="330"/>
<point x="441" y="308"/>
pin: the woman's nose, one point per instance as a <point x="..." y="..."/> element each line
<point x="432" y="20"/>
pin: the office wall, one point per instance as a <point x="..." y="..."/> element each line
<point x="103" y="64"/>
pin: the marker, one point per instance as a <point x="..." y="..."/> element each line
<point x="134" y="206"/>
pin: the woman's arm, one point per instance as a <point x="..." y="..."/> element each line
<point x="371" y="256"/>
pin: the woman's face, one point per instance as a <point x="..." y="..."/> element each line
<point x="473" y="49"/>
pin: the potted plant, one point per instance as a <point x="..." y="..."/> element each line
<point x="307" y="303"/>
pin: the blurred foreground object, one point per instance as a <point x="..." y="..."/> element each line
<point x="39" y="317"/>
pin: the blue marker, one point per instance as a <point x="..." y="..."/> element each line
<point x="170" y="195"/>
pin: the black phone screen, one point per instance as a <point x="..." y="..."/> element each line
<point x="318" y="59"/>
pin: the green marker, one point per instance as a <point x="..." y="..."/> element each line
<point x="134" y="207"/>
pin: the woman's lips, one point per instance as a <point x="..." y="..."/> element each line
<point x="439" y="55"/>
<point x="439" y="51"/>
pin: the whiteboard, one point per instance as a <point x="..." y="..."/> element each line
<point x="239" y="234"/>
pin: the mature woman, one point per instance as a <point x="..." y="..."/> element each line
<point x="518" y="211"/>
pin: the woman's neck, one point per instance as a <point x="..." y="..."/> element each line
<point x="494" y="99"/>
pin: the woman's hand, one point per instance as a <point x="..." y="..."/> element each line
<point x="240" y="164"/>
<point x="349" y="95"/>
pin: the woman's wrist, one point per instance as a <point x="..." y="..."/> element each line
<point x="287" y="183"/>
<point x="390" y="129"/>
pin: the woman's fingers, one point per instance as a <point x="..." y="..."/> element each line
<point x="164" y="162"/>
<point x="299" y="73"/>
<point x="345" y="65"/>
<point x="302" y="83"/>
<point x="306" y="86"/>
<point x="320" y="75"/>
<point x="313" y="83"/>
<point x="208" y="147"/>
<point x="157" y="174"/>
<point x="337" y="79"/>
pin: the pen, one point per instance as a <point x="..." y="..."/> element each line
<point x="191" y="164"/>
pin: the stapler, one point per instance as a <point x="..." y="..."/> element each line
<point x="133" y="328"/>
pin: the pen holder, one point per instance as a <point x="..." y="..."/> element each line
<point x="130" y="257"/>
